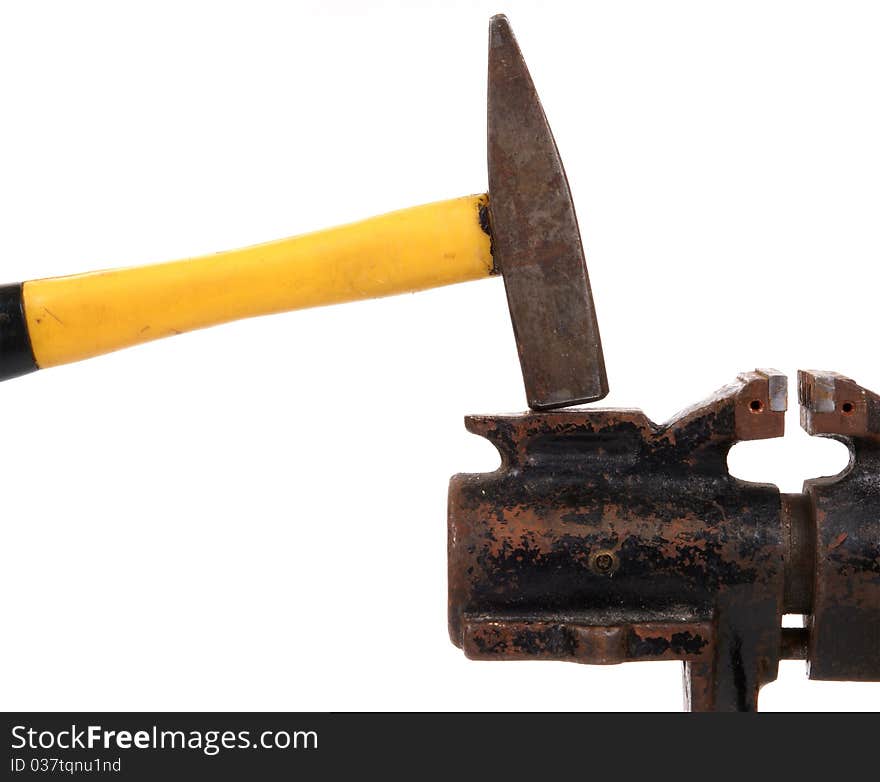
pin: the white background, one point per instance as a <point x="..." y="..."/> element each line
<point x="253" y="517"/>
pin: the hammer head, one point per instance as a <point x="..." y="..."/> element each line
<point x="536" y="241"/>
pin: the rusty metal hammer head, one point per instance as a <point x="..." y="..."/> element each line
<point x="536" y="241"/>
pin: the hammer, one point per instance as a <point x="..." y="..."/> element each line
<point x="525" y="229"/>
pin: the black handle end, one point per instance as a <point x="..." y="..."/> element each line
<point x="16" y="354"/>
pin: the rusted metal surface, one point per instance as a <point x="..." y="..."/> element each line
<point x="605" y="538"/>
<point x="799" y="553"/>
<point x="488" y="639"/>
<point x="536" y="241"/>
<point x="844" y="624"/>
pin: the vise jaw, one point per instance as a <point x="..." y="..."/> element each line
<point x="605" y="538"/>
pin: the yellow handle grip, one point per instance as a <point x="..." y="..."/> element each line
<point x="72" y="318"/>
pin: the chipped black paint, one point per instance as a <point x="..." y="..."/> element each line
<point x="552" y="641"/>
<point x="682" y="644"/>
<point x="686" y="538"/>
<point x="844" y="628"/>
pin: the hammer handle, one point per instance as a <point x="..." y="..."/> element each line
<point x="44" y="323"/>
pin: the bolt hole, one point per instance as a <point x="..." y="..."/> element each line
<point x="848" y="408"/>
<point x="756" y="405"/>
<point x="604" y="562"/>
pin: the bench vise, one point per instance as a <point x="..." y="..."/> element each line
<point x="605" y="538"/>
